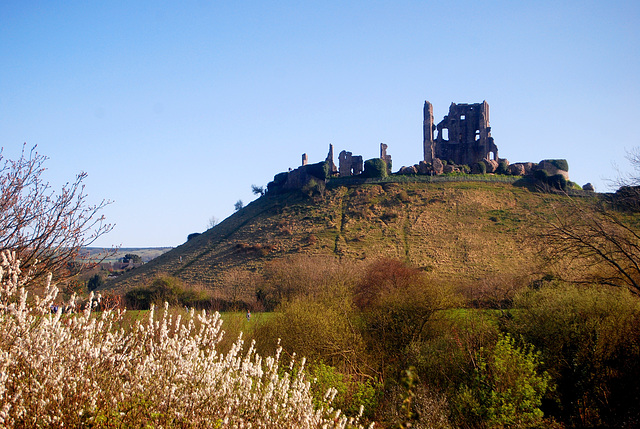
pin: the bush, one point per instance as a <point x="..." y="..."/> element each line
<point x="314" y="187"/>
<point x="507" y="387"/>
<point x="588" y="337"/>
<point x="560" y="164"/>
<point x="375" y="168"/>
<point x="173" y="291"/>
<point x="503" y="167"/>
<point x="95" y="282"/>
<point x="480" y="168"/>
<point x="81" y="371"/>
<point x="396" y="303"/>
<point x="558" y="181"/>
<point x="541" y="175"/>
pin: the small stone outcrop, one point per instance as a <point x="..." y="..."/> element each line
<point x="408" y="170"/>
<point x="491" y="164"/>
<point x="437" y="166"/>
<point x="517" y="169"/>
<point x="588" y="187"/>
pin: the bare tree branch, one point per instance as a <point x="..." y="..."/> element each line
<point x="43" y="225"/>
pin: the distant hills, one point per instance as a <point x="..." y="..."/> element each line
<point x="456" y="229"/>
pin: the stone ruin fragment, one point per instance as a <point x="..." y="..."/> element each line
<point x="349" y="164"/>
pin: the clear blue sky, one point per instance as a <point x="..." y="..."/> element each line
<point x="175" y="108"/>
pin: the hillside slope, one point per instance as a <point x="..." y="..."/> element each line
<point x="462" y="231"/>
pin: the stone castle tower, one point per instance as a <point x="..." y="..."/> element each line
<point x="463" y="136"/>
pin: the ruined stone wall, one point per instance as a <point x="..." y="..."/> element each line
<point x="348" y="164"/>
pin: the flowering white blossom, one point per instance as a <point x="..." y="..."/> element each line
<point x="82" y="369"/>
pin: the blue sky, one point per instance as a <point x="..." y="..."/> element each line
<point x="175" y="108"/>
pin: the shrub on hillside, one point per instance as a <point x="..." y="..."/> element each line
<point x="375" y="168"/>
<point x="560" y="164"/>
<point x="479" y="168"/>
<point x="314" y="187"/>
<point x="503" y="167"/>
<point x="80" y="371"/>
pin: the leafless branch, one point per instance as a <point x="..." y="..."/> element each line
<point x="41" y="224"/>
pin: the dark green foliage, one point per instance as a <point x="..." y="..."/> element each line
<point x="132" y="257"/>
<point x="173" y="291"/>
<point x="375" y="168"/>
<point x="541" y="175"/>
<point x="558" y="181"/>
<point x="503" y="167"/>
<point x="238" y="205"/>
<point x="320" y="170"/>
<point x="257" y="190"/>
<point x="95" y="282"/>
<point x="479" y="168"/>
<point x="560" y="164"/>
<point x="193" y="235"/>
<point x="506" y="387"/>
<point x="590" y="344"/>
<point x="314" y="187"/>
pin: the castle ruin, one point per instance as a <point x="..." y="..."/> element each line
<point x="463" y="136"/>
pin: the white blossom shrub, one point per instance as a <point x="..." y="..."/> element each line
<point x="81" y="369"/>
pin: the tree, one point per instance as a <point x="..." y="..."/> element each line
<point x="95" y="282"/>
<point x="238" y="205"/>
<point x="42" y="225"/>
<point x="604" y="235"/>
<point x="604" y="239"/>
<point x="132" y="257"/>
<point x="213" y="221"/>
<point x="396" y="303"/>
<point x="257" y="190"/>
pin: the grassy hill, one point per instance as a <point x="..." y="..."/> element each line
<point x="462" y="231"/>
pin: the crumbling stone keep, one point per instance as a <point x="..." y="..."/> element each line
<point x="463" y="136"/>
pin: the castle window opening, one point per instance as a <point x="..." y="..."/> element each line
<point x="445" y="133"/>
<point x="477" y="135"/>
<point x="462" y="117"/>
